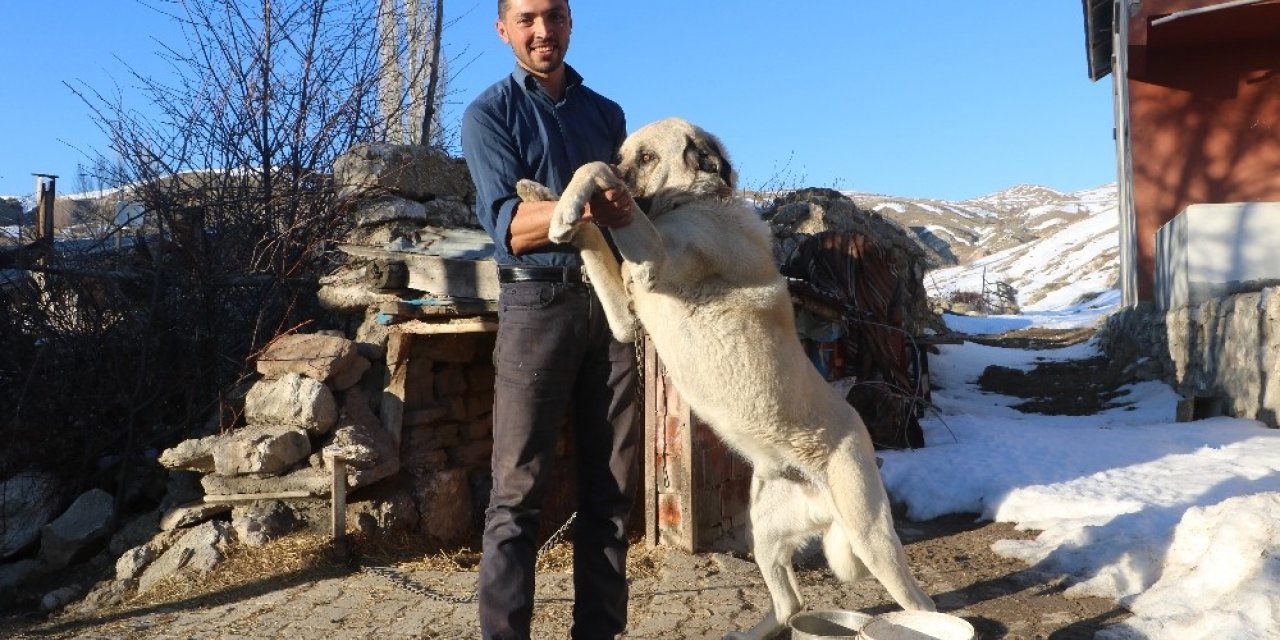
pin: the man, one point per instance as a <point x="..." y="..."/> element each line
<point x="554" y="350"/>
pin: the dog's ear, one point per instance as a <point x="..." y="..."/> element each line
<point x="705" y="155"/>
<point x="725" y="168"/>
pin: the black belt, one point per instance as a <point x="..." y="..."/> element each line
<point x="539" y="274"/>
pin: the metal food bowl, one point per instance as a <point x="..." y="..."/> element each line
<point x="831" y="624"/>
<point x="917" y="625"/>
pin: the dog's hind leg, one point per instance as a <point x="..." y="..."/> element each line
<point x="861" y="506"/>
<point x="780" y="522"/>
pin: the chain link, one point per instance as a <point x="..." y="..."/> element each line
<point x="401" y="580"/>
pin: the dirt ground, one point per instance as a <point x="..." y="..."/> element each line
<point x="674" y="595"/>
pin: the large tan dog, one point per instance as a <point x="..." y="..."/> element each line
<point x="699" y="274"/>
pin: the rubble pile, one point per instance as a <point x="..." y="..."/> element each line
<point x="861" y="306"/>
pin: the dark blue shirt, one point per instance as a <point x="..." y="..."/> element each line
<point x="514" y="130"/>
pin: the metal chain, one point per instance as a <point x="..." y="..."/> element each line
<point x="403" y="582"/>
<point x="637" y="330"/>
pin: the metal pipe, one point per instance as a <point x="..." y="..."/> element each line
<point x="1177" y="15"/>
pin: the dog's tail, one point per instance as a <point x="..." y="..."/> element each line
<point x="868" y="523"/>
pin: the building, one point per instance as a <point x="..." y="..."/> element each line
<point x="1197" y="104"/>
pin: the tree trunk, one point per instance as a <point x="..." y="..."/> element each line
<point x="429" y="112"/>
<point x="391" y="80"/>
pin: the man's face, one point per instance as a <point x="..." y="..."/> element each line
<point x="538" y="32"/>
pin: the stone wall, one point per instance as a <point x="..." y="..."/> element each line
<point x="1226" y="354"/>
<point x="1222" y="356"/>
<point x="447" y="432"/>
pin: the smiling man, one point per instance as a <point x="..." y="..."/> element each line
<point x="554" y="351"/>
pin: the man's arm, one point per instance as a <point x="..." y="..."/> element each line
<point x="521" y="226"/>
<point x="532" y="220"/>
<point x="493" y="161"/>
<point x="529" y="225"/>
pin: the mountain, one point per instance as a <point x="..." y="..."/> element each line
<point x="1055" y="248"/>
<point x="26" y="202"/>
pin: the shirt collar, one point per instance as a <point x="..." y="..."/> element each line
<point x="571" y="78"/>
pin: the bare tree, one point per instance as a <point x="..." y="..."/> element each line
<point x="127" y="351"/>
<point x="431" y="106"/>
<point x="412" y="70"/>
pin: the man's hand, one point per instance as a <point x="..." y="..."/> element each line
<point x="612" y="207"/>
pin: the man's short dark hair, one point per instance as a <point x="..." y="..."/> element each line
<point x="502" y="7"/>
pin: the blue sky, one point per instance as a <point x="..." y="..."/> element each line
<point x="931" y="98"/>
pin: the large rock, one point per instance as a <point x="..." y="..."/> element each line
<point x="14" y="576"/>
<point x="388" y="208"/>
<point x="134" y="532"/>
<point x="28" y="501"/>
<point x="369" y="450"/>
<point x="133" y="561"/>
<point x="60" y="597"/>
<point x="293" y="400"/>
<point x="312" y="480"/>
<point x="450" y="213"/>
<point x="444" y="504"/>
<point x="347" y="289"/>
<point x="385" y="508"/>
<point x="183" y="487"/>
<point x="267" y="449"/>
<point x="409" y="217"/>
<point x="329" y="359"/>
<point x="195" y="553"/>
<point x="413" y="171"/>
<point x="260" y="522"/>
<point x="195" y="454"/>
<point x="84" y="524"/>
<point x="193" y="513"/>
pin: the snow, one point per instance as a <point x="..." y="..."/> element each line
<point x="1054" y="221"/>
<point x="1177" y="522"/>
<point x="1053" y="272"/>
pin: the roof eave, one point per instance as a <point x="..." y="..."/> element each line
<point x="1099" y="16"/>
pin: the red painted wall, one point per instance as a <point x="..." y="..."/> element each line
<point x="1204" y="114"/>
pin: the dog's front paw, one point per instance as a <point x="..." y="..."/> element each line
<point x="564" y="221"/>
<point x="561" y="232"/>
<point x="530" y="191"/>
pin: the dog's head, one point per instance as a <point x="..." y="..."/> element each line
<point x="671" y="162"/>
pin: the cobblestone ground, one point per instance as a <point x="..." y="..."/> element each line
<point x="686" y="597"/>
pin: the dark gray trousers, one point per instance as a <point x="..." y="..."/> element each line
<point x="554" y="352"/>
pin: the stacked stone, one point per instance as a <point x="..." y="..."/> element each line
<point x="307" y="409"/>
<point x="448" y="431"/>
<point x="400" y="197"/>
<point x="78" y="533"/>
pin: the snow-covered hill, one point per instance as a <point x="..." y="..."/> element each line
<point x="1057" y="249"/>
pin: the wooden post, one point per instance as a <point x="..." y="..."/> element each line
<point x="393" y="394"/>
<point x="46" y="194"/>
<point x="339" y="498"/>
